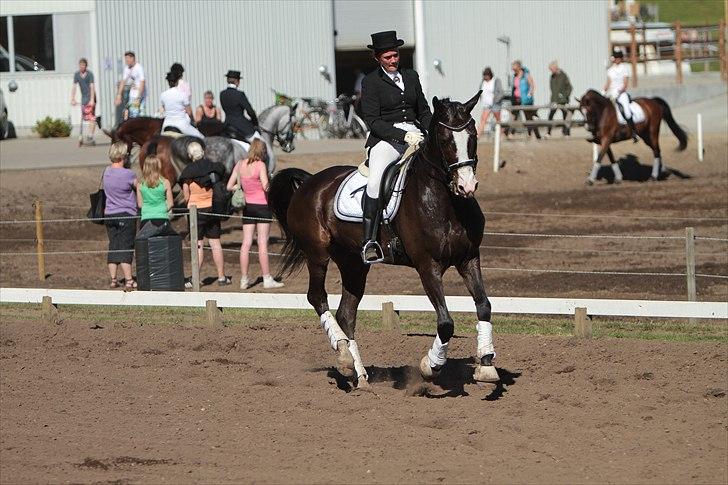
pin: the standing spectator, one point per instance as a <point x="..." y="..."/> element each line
<point x="490" y="99"/>
<point x="253" y="178"/>
<point x="119" y="184"/>
<point x="133" y="77"/>
<point x="84" y="79"/>
<point x="154" y="194"/>
<point x="197" y="190"/>
<point x="560" y="93"/>
<point x="182" y="85"/>
<point x="208" y="117"/>
<point x="524" y="89"/>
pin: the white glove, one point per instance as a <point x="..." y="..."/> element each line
<point x="413" y="138"/>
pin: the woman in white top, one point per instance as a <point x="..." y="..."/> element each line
<point x="176" y="108"/>
<point x="490" y="99"/>
<point x="616" y="88"/>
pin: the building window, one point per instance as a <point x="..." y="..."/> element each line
<point x="33" y="36"/>
<point x="4" y="57"/>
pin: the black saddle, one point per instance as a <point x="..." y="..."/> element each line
<point x="230" y="131"/>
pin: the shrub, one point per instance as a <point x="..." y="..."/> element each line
<point x="53" y="128"/>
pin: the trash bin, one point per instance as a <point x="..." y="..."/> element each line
<point x="159" y="263"/>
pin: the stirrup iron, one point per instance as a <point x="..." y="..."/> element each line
<point x="375" y="246"/>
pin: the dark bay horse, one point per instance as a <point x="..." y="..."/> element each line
<point x="136" y="130"/>
<point x="602" y="122"/>
<point x="439" y="223"/>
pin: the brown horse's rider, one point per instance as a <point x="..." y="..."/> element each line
<point x="616" y="89"/>
<point x="392" y="102"/>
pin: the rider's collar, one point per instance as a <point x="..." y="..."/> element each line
<point x="391" y="75"/>
<point x="231" y="85"/>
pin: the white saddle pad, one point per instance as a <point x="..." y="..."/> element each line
<point x="638" y="114"/>
<point x="347" y="203"/>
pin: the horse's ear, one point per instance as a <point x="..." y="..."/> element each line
<point x="436" y="104"/>
<point x="470" y="104"/>
<point x="293" y="107"/>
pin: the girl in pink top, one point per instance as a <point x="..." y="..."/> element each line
<point x="252" y="174"/>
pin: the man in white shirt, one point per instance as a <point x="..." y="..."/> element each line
<point x="133" y="77"/>
<point x="616" y="89"/>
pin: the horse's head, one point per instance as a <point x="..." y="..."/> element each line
<point x="591" y="105"/>
<point x="288" y="131"/>
<point x="452" y="139"/>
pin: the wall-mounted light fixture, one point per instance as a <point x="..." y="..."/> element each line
<point x="437" y="63"/>
<point x="324" y="71"/>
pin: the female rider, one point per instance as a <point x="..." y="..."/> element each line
<point x="176" y="108"/>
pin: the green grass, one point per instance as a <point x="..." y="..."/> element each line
<point x="689" y="12"/>
<point x="414" y="322"/>
<point x="700" y="66"/>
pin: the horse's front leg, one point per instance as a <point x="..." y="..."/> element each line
<point x="603" y="148"/>
<point x="434" y="360"/>
<point x="615" y="167"/>
<point x="485" y="370"/>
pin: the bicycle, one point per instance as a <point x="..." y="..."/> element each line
<point x="341" y="124"/>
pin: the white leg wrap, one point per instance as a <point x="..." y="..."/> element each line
<point x="358" y="364"/>
<point x="332" y="329"/>
<point x="656" y="167"/>
<point x="617" y="172"/>
<point x="485" y="339"/>
<point x="595" y="171"/>
<point x="438" y="353"/>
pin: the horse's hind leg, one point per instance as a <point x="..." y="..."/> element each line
<point x="485" y="370"/>
<point x="353" y="279"/>
<point x="319" y="300"/>
<point x="653" y="141"/>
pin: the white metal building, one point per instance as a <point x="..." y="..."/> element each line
<point x="282" y="44"/>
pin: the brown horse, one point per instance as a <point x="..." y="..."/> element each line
<point x="602" y="122"/>
<point x="439" y="224"/>
<point x="136" y="130"/>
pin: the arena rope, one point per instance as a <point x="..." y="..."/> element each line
<point x="584" y="236"/>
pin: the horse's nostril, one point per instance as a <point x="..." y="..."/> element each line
<point x="461" y="188"/>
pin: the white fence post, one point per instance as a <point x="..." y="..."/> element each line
<point x="700" y="137"/>
<point x="496" y="148"/>
<point x="690" y="263"/>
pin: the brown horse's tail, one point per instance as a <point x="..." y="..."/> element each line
<point x="676" y="130"/>
<point x="280" y="192"/>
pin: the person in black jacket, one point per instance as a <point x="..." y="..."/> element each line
<point x="236" y="104"/>
<point x="392" y="103"/>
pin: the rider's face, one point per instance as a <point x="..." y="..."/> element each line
<point x="389" y="60"/>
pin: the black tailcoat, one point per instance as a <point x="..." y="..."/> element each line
<point x="383" y="104"/>
<point x="235" y="103"/>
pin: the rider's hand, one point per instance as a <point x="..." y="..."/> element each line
<point x="413" y="138"/>
<point x="73" y="102"/>
<point x="117" y="100"/>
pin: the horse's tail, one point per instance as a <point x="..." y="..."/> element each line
<point x="280" y="192"/>
<point x="676" y="130"/>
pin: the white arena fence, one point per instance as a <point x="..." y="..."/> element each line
<point x="413" y="303"/>
<point x="689" y="239"/>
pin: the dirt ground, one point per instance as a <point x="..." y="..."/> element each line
<point x="539" y="179"/>
<point x="259" y="402"/>
<point x="126" y="402"/>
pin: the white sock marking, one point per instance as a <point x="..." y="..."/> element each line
<point x="594" y="172"/>
<point x="656" y="167"/>
<point x="358" y="364"/>
<point x="485" y="339"/>
<point x="438" y="353"/>
<point x="332" y="329"/>
<point x="617" y="172"/>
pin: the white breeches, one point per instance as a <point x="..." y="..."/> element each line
<point x="623" y="100"/>
<point x="381" y="156"/>
<point x="183" y="125"/>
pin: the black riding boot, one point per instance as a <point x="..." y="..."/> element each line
<point x="371" y="252"/>
<point x="630" y="122"/>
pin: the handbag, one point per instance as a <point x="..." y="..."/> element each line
<point x="238" y="198"/>
<point x="98" y="203"/>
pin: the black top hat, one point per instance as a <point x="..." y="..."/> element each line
<point x="382" y="41"/>
<point x="233" y="74"/>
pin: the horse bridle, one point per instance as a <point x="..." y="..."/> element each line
<point x="471" y="162"/>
